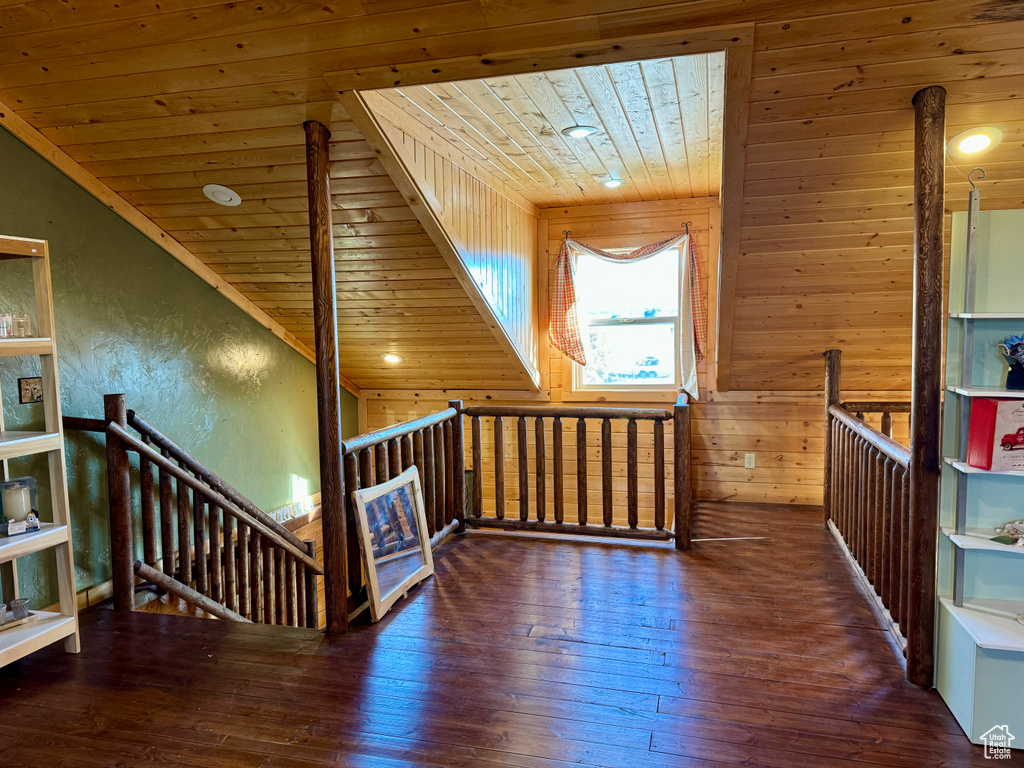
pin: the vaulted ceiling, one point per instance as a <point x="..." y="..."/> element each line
<point x="659" y="128"/>
<point x="157" y="97"/>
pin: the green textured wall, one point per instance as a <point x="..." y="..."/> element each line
<point x="131" y="319"/>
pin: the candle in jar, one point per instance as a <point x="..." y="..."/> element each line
<point x="17" y="502"/>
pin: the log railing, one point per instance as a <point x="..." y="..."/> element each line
<point x="867" y="498"/>
<point x="434" y="444"/>
<point x="585" y="424"/>
<point x="197" y="531"/>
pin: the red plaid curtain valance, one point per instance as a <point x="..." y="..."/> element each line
<point x="564" y="328"/>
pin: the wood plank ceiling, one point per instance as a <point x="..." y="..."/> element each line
<point x="158" y="98"/>
<point x="659" y="128"/>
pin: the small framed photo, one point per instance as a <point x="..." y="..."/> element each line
<point x="393" y="539"/>
<point x="30" y="390"/>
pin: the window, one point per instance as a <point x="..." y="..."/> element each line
<point x="629" y="321"/>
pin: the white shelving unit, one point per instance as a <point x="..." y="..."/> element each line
<point x="980" y="642"/>
<point x="47" y="627"/>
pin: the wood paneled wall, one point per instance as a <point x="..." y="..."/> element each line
<point x="782" y="429"/>
<point x="495" y="234"/>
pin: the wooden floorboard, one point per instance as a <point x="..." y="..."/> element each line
<point x="519" y="652"/>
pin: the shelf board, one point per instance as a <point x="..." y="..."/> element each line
<point x="1008" y="394"/>
<point x="966" y="469"/>
<point x="21" y="641"/>
<point x="48" y="535"/>
<point x="988" y="315"/>
<point x="980" y="538"/>
<point x="14" y="445"/>
<point x="32" y="346"/>
<point x="992" y="623"/>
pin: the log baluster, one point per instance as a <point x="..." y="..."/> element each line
<point x="886" y="533"/>
<point x="832" y="396"/>
<point x="216" y="555"/>
<point x="230" y="553"/>
<point x="499" y="469"/>
<point x="311" y="592"/>
<point x="478" y="466"/>
<point x="166" y="519"/>
<point x="541" y="462"/>
<point x="524" y="470"/>
<point x="632" y="472"/>
<point x="556" y="460"/>
<point x="199" y="532"/>
<point x="380" y="455"/>
<point x="869" y="513"/>
<point x="257" y="587"/>
<point x="905" y="555"/>
<point x="581" y="471"/>
<point x="300" y="594"/>
<point x="148" y="507"/>
<point x="451" y="471"/>
<point x="427" y="472"/>
<point x="659" y="475"/>
<point x="877" y="521"/>
<point x="352" y="484"/>
<point x="184" y="532"/>
<point x="887" y="423"/>
<point x="280" y="586"/>
<point x="394" y="459"/>
<point x="270" y="584"/>
<point x="243" y="573"/>
<point x="407" y="452"/>
<point x="606" y="472"/>
<point x="458" y="442"/>
<point x="440" y="473"/>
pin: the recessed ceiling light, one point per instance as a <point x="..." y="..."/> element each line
<point x="391" y="357"/>
<point x="222" y="195"/>
<point x="579" y="131"/>
<point x="613" y="183"/>
<point x="974" y="142"/>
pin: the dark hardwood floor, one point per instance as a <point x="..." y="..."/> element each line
<point x="517" y="653"/>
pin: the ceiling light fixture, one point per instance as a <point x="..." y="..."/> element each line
<point x="391" y="357"/>
<point x="222" y="195"/>
<point x="579" y="131"/>
<point x="974" y="142"/>
<point x="612" y="183"/>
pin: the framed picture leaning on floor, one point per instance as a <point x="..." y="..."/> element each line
<point x="393" y="539"/>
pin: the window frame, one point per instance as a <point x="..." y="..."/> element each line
<point x="574" y="389"/>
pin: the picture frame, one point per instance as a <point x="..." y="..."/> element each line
<point x="30" y="390"/>
<point x="394" y="543"/>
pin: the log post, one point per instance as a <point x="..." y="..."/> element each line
<point x="926" y="398"/>
<point x="833" y="394"/>
<point x="328" y="376"/>
<point x="681" y="472"/>
<point x="312" y="598"/>
<point x="119" y="496"/>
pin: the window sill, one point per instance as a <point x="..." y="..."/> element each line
<point x="663" y="395"/>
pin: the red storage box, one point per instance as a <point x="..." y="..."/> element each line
<point x="996" y="437"/>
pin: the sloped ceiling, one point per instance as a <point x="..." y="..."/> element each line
<point x="156" y="99"/>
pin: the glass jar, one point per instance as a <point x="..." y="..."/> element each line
<point x="6" y="325"/>
<point x="22" y="326"/>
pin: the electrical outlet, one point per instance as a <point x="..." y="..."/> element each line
<point x="748" y="460"/>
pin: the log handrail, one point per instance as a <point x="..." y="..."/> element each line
<point x="568" y="412"/>
<point x="189" y="595"/>
<point x="381" y="436"/>
<point x="164" y="443"/>
<point x="884" y="444"/>
<point x="134" y="444"/>
<point x="877" y="406"/>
